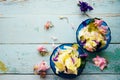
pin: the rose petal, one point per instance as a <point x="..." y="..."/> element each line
<point x="100" y="62"/>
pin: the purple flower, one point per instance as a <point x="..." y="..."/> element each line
<point x="84" y="6"/>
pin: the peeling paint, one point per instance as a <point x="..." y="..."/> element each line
<point x="2" y="67"/>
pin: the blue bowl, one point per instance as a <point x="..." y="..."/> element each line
<point x="84" y="24"/>
<point x="61" y="74"/>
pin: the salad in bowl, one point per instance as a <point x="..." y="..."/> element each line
<point x="93" y="35"/>
<point x="68" y="60"/>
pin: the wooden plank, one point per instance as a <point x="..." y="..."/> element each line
<point x="11" y="7"/>
<point x="20" y="58"/>
<point x="53" y="77"/>
<point x="21" y="29"/>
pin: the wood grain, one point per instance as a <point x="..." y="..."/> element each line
<point x="22" y="31"/>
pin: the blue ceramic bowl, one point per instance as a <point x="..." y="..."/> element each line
<point x="61" y="74"/>
<point x="84" y="24"/>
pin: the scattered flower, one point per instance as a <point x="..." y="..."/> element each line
<point x="48" y="25"/>
<point x="100" y="62"/>
<point x="3" y="67"/>
<point x="41" y="69"/>
<point x="63" y="17"/>
<point x="71" y="24"/>
<point x="42" y="50"/>
<point x="84" y="6"/>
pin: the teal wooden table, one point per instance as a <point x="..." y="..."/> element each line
<point x="22" y="31"/>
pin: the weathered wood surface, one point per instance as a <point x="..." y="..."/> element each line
<point x="52" y="77"/>
<point x="56" y="7"/>
<point x="22" y="31"/>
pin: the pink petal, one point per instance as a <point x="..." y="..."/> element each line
<point x="98" y="22"/>
<point x="48" y="25"/>
<point x="89" y="49"/>
<point x="41" y="48"/>
<point x="41" y="67"/>
<point x="100" y="62"/>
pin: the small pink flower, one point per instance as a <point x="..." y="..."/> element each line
<point x="41" y="67"/>
<point x="48" y="25"/>
<point x="98" y="22"/>
<point x="100" y="62"/>
<point x="42" y="50"/>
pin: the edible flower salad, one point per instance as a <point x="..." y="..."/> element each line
<point x="93" y="35"/>
<point x="67" y="60"/>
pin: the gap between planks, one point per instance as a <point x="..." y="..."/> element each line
<point x="54" y="74"/>
<point x="102" y="15"/>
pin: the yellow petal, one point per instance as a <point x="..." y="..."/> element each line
<point x="60" y="66"/>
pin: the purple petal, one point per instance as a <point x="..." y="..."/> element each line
<point x="90" y="8"/>
<point x="83" y="42"/>
<point x="84" y="6"/>
<point x="80" y="2"/>
<point x="55" y="58"/>
<point x="73" y="60"/>
<point x="84" y="55"/>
